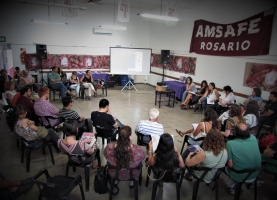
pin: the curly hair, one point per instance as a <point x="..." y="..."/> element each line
<point x="252" y="108"/>
<point x="257" y="91"/>
<point x="123" y="151"/>
<point x="235" y="111"/>
<point x="211" y="115"/>
<point x="214" y="141"/>
<point x="166" y="157"/>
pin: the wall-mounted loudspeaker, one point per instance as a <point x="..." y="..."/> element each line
<point x="165" y="56"/>
<point x="41" y="51"/>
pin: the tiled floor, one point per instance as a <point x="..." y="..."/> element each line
<point x="130" y="107"/>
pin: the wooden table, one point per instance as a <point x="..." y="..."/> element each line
<point x="168" y="93"/>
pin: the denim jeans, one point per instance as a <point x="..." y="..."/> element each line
<point x="184" y="95"/>
<point x="75" y="87"/>
<point x="60" y="86"/>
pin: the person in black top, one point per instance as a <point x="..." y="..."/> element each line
<point x="269" y="112"/>
<point x="87" y="82"/>
<point x="3" y="78"/>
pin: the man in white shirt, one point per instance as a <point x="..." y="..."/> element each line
<point x="151" y="126"/>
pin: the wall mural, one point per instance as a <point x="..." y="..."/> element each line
<point x="180" y="64"/>
<point x="263" y="76"/>
<point x="68" y="61"/>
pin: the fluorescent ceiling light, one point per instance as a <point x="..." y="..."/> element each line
<point x="52" y="4"/>
<point x="160" y="17"/>
<point x="47" y="22"/>
<point x="111" y="27"/>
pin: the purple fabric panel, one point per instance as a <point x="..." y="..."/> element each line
<point x="179" y="87"/>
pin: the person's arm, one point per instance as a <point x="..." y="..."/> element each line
<point x="268" y="113"/>
<point x="230" y="163"/>
<point x="8" y="184"/>
<point x="246" y="101"/>
<point x="78" y="81"/>
<point x="31" y="125"/>
<point x="204" y="95"/>
<point x="196" y="159"/>
<point x="81" y="119"/>
<point x="226" y="133"/>
<point x="260" y="103"/>
<point x="151" y="156"/>
<point x="269" y="152"/>
<point x="190" y="86"/>
<point x="181" y="161"/>
<point x="81" y="80"/>
<point x="91" y="79"/>
<point x="198" y="129"/>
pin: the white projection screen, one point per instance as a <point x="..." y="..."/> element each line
<point x="130" y="61"/>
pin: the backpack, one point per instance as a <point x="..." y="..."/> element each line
<point x="101" y="180"/>
<point x="265" y="141"/>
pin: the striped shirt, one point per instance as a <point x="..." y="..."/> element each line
<point x="69" y="114"/>
<point x="45" y="108"/>
<point x="251" y="120"/>
<point x="147" y="127"/>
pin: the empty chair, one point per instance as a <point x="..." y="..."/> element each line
<point x="57" y="187"/>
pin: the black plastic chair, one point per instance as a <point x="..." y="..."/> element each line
<point x="83" y="164"/>
<point x="53" y="90"/>
<point x="141" y="138"/>
<point x="186" y="138"/>
<point x="47" y="118"/>
<point x="269" y="172"/>
<point x="104" y="133"/>
<point x="33" y="145"/>
<point x="239" y="184"/>
<point x="136" y="182"/>
<point x="271" y="128"/>
<point x="103" y="86"/>
<point x="57" y="187"/>
<point x="177" y="177"/>
<point x="196" y="180"/>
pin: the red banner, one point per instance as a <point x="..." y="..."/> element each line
<point x="249" y="37"/>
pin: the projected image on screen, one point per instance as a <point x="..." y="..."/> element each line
<point x="130" y="61"/>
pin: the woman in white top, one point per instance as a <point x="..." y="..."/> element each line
<point x="190" y="87"/>
<point x="74" y="83"/>
<point x="227" y="98"/>
<point x="211" y="94"/>
<point x="9" y="91"/>
<point x="201" y="130"/>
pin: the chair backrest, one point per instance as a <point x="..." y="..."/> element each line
<point x="103" y="131"/>
<point x="248" y="171"/>
<point x="205" y="172"/>
<point x="131" y="171"/>
<point x="141" y="138"/>
<point x="168" y="175"/>
<point x="44" y="119"/>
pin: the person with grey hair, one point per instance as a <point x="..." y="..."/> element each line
<point x="150" y="126"/>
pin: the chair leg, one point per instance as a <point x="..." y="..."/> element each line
<point x="40" y="196"/>
<point x="147" y="177"/>
<point x="154" y="190"/>
<point x="87" y="167"/>
<point x="178" y="189"/>
<point x="103" y="141"/>
<point x="216" y="189"/>
<point x="22" y="152"/>
<point x="195" y="189"/>
<point x="259" y="130"/>
<point x="28" y="157"/>
<point x="43" y="151"/>
<point x="237" y="191"/>
<point x="136" y="189"/>
<point x="82" y="190"/>
<point x="98" y="158"/>
<point x="182" y="146"/>
<point x="67" y="168"/>
<point x="51" y="153"/>
<point x="112" y="180"/>
<point x="255" y="189"/>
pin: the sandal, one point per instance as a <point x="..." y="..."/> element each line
<point x="192" y="106"/>
<point x="188" y="176"/>
<point x="179" y="132"/>
<point x="183" y="107"/>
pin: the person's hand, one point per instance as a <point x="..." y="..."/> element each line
<point x="30" y="123"/>
<point x="150" y="144"/>
<point x="109" y="111"/>
<point x="212" y="100"/>
<point x="175" y="149"/>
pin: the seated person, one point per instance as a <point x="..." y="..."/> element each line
<point x="63" y="77"/>
<point x="103" y="117"/>
<point x="190" y="87"/>
<point x="213" y="156"/>
<point x="256" y="96"/>
<point x="87" y="82"/>
<point x="67" y="113"/>
<point x="74" y="83"/>
<point x="29" y="80"/>
<point x="26" y="128"/>
<point x="243" y="153"/>
<point x="151" y="126"/>
<point x="72" y="146"/>
<point x="211" y="94"/>
<point x="124" y="154"/>
<point x="270" y="156"/>
<point x="251" y="114"/>
<point x="235" y="117"/>
<point x="227" y="98"/>
<point x="25" y="100"/>
<point x="195" y="97"/>
<point x="43" y="107"/>
<point x="268" y="114"/>
<point x="4" y="77"/>
<point x="56" y="82"/>
<point x="166" y="156"/>
<point x="17" y="73"/>
<point x="14" y="189"/>
<point x="202" y="128"/>
<point x="9" y="91"/>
